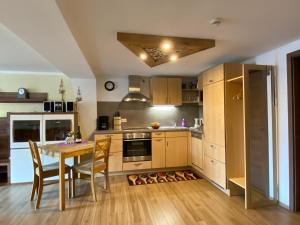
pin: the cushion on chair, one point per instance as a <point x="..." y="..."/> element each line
<point x="86" y="167"/>
<point x="52" y="167"/>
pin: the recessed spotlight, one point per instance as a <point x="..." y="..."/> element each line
<point x="173" y="57"/>
<point x="143" y="56"/>
<point x="166" y="45"/>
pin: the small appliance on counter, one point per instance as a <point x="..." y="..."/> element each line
<point x="117" y="121"/>
<point x="103" y="123"/>
<point x="197" y="123"/>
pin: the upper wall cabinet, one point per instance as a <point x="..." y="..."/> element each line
<point x="166" y="91"/>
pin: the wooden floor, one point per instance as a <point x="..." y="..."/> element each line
<point x="190" y="202"/>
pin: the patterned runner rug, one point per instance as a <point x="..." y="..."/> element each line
<point x="161" y="177"/>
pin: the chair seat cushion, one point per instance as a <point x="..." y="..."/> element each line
<point x="86" y="167"/>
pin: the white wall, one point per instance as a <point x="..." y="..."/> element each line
<point x="117" y="94"/>
<point x="44" y="82"/>
<point x="278" y="57"/>
<point x="87" y="108"/>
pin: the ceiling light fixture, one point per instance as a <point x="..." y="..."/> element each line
<point x="166" y="45"/>
<point x="173" y="57"/>
<point x="143" y="56"/>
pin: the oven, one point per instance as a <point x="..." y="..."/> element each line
<point x="137" y="147"/>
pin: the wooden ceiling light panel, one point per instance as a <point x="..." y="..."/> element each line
<point x="151" y="47"/>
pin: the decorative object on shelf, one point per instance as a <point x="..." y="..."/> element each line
<point x="61" y="90"/>
<point x="58" y="106"/>
<point x="79" y="96"/>
<point x="22" y="93"/>
<point x="161" y="177"/>
<point x="109" y="85"/>
<point x="155" y="50"/>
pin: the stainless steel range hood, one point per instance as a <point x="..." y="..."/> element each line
<point x="138" y="89"/>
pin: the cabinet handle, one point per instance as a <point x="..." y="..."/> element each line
<point x="157" y="139"/>
<point x="212" y="146"/>
<point x="167" y="144"/>
<point x="210" y="81"/>
<point x="212" y="161"/>
<point x="138" y="164"/>
<point x="157" y="134"/>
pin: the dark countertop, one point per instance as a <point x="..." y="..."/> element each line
<point x="162" y="129"/>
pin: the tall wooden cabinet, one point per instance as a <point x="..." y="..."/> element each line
<point x="239" y="122"/>
<point x="166" y="91"/>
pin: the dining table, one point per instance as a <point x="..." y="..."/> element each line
<point x="63" y="151"/>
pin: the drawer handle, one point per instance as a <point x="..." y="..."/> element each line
<point x="157" y="134"/>
<point x="210" y="81"/>
<point x="158" y="140"/>
<point x="212" y="161"/>
<point x="137" y="164"/>
<point x="212" y="146"/>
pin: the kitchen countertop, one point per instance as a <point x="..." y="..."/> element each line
<point x="161" y="129"/>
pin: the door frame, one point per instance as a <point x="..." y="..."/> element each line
<point x="292" y="159"/>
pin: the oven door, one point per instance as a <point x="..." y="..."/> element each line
<point x="136" y="150"/>
<point x="56" y="127"/>
<point x="24" y="128"/>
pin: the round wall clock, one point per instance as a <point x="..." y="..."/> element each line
<point x="109" y="85"/>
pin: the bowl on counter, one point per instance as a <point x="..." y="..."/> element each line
<point x="155" y="125"/>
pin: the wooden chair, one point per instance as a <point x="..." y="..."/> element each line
<point x="42" y="172"/>
<point x="98" y="164"/>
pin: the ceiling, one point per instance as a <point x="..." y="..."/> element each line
<point x="15" y="55"/>
<point x="79" y="37"/>
<point x="248" y="29"/>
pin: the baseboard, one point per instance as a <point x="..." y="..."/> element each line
<point x="284" y="206"/>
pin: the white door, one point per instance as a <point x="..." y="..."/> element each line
<point x="21" y="166"/>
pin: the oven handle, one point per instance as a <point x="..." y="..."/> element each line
<point x="137" y="139"/>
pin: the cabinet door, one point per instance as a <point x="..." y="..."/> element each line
<point x="194" y="151"/>
<point x="159" y="89"/>
<point x="174" y="91"/>
<point x="158" y="152"/>
<point x="213" y="113"/>
<point x="200" y="154"/>
<point x="219" y="173"/>
<point x="213" y="75"/>
<point x="115" y="162"/>
<point x="208" y="167"/>
<point x="176" y="152"/>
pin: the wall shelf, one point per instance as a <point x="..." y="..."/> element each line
<point x="11" y="97"/>
<point x="239" y="181"/>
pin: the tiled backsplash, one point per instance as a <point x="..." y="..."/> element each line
<point x="141" y="114"/>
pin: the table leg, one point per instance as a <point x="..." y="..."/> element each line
<point x="61" y="182"/>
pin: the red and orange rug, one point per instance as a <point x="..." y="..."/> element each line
<point x="161" y="177"/>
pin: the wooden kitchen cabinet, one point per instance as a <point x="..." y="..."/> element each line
<point x="166" y="91"/>
<point x="116" y="151"/>
<point x="213" y="112"/>
<point x="215" y="171"/>
<point x="176" y="151"/>
<point x="158" y="152"/>
<point x="197" y="152"/>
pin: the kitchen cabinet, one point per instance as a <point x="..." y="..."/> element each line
<point x="158" y="152"/>
<point x="213" y="113"/>
<point x="166" y="91"/>
<point x="215" y="171"/>
<point x="197" y="152"/>
<point x="176" y="149"/>
<point x="115" y="163"/>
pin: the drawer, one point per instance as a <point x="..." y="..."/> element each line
<point x="177" y="134"/>
<point x="115" y="162"/>
<point x="215" y="171"/>
<point x="158" y="134"/>
<point x="116" y="146"/>
<point x="113" y="136"/>
<point x="137" y="165"/>
<point x="214" y="151"/>
<point x="213" y="75"/>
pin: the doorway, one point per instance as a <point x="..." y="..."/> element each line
<point x="293" y="65"/>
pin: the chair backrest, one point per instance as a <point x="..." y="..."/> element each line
<point x="36" y="159"/>
<point x="101" y="151"/>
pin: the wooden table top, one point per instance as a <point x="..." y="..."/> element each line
<point x="57" y="149"/>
